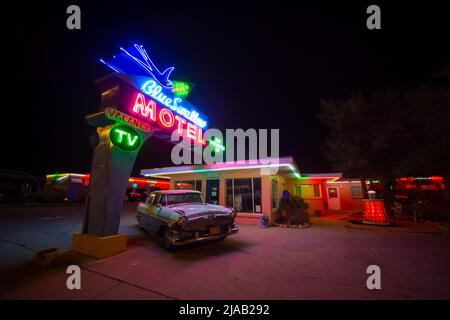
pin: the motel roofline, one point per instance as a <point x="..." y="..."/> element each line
<point x="287" y="164"/>
<point x="77" y="177"/>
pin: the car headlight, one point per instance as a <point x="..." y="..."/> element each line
<point x="233" y="213"/>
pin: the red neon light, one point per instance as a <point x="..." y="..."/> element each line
<point x="200" y="137"/>
<point x="163" y="186"/>
<point x="162" y="118"/>
<point x="183" y="184"/>
<point x="166" y="118"/>
<point x="138" y="180"/>
<point x="432" y="178"/>
<point x="374" y="212"/>
<point x="191" y="131"/>
<point x="144" y="109"/>
<point x="181" y="122"/>
<point x="143" y="180"/>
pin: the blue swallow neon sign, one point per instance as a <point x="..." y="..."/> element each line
<point x="142" y="65"/>
<point x="161" y="77"/>
<point x="135" y="66"/>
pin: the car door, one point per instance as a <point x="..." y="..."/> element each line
<point x="149" y="216"/>
<point x="155" y="218"/>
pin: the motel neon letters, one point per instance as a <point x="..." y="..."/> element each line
<point x="153" y="112"/>
<point x="157" y="92"/>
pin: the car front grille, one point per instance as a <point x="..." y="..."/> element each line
<point x="204" y="222"/>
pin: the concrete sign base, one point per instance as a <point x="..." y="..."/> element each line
<point x="99" y="247"/>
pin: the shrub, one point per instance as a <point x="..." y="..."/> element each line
<point x="293" y="211"/>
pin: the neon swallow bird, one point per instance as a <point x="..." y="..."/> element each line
<point x="161" y="77"/>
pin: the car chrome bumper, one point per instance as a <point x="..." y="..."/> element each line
<point x="174" y="240"/>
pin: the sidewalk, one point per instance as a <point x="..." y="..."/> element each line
<point x="94" y="286"/>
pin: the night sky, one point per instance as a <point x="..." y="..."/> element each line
<point x="254" y="66"/>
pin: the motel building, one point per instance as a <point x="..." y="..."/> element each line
<point x="75" y="185"/>
<point x="254" y="187"/>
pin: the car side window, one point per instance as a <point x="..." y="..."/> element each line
<point x="161" y="200"/>
<point x="150" y="200"/>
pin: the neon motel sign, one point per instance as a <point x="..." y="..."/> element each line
<point x="149" y="109"/>
<point x="160" y="94"/>
<point x="134" y="63"/>
<point x="124" y="118"/>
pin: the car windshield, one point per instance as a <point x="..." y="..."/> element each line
<point x="176" y="198"/>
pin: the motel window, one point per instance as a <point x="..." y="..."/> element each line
<point x="306" y="191"/>
<point x="244" y="195"/>
<point x="356" y="191"/>
<point x="189" y="185"/>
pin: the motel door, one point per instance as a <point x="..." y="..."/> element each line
<point x="212" y="191"/>
<point x="334" y="200"/>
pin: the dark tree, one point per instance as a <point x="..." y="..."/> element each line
<point x="391" y="132"/>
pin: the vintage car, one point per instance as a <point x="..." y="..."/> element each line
<point x="181" y="217"/>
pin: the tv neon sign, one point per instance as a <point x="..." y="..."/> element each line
<point x="125" y="138"/>
<point x="166" y="119"/>
<point x="159" y="93"/>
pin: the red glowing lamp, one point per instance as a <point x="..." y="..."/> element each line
<point x="374" y="212"/>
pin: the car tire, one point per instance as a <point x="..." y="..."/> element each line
<point x="165" y="239"/>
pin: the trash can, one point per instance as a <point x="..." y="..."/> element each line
<point x="264" y="220"/>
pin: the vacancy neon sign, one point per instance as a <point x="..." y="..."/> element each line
<point x="152" y="112"/>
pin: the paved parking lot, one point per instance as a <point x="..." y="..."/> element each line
<point x="25" y="230"/>
<point x="327" y="261"/>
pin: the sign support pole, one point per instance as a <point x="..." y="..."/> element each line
<point x="111" y="169"/>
